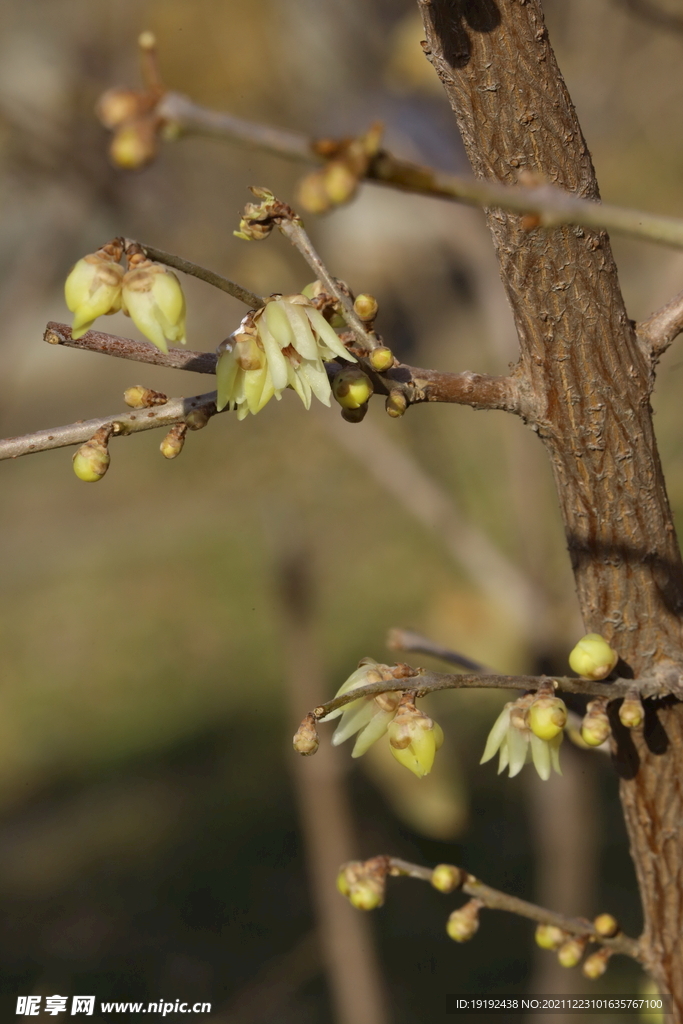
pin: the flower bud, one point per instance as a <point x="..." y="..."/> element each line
<point x="91" y="461"/>
<point x="446" y="877"/>
<point x="549" y="936"/>
<point x="116" y="106"/>
<point x="381" y="358"/>
<point x="547" y="717"/>
<point x="172" y="444"/>
<point x="596" y="964"/>
<point x="366" y="307"/>
<point x="363" y="883"/>
<point x="93" y="287"/>
<point x="595" y="727"/>
<point x="352" y="388"/>
<point x="340" y="182"/>
<point x="312" y="194"/>
<point x="198" y="418"/>
<point x="570" y="952"/>
<point x="306" y="740"/>
<point x="606" y="925"/>
<point x="463" y="924"/>
<point x="632" y="712"/>
<point x="134" y="144"/>
<point x="355" y="415"/>
<point x="396" y="404"/>
<point x="414" y="740"/>
<point x="139" y="397"/>
<point x="153" y="298"/>
<point x="593" y="658"/>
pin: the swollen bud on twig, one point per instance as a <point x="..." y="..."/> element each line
<point x="463" y="924"/>
<point x="306" y="740"/>
<point x="135" y="143"/>
<point x="606" y="925"/>
<point x="198" y="418"/>
<point x="366" y="307"/>
<point x="352" y="388"/>
<point x="396" y="404"/>
<point x="631" y="712"/>
<point x="91" y="461"/>
<point x="139" y="397"/>
<point x="381" y="358"/>
<point x="446" y="877"/>
<point x="547" y="717"/>
<point x="363" y="882"/>
<point x="596" y="964"/>
<point x="172" y="444"/>
<point x="116" y="106"/>
<point x="549" y="936"/>
<point x="593" y="658"/>
<point x="595" y="727"/>
<point x="570" y="953"/>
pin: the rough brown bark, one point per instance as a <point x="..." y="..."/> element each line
<point x="587" y="385"/>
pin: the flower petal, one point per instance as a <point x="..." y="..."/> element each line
<point x="304" y="343"/>
<point x="373" y="731"/>
<point x="278" y="323"/>
<point x="518" y="748"/>
<point x="497" y="734"/>
<point x="276" y="360"/>
<point x="540" y="753"/>
<point x="327" y="334"/>
<point x="353" y="721"/>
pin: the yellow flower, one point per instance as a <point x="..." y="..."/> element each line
<point x="518" y="744"/>
<point x="93" y="287"/>
<point x="414" y="739"/>
<point x="153" y="299"/>
<point x="284" y="344"/>
<point x="367" y="716"/>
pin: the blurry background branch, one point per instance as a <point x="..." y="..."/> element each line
<point x="409" y="640"/>
<point x="653" y="14"/>
<point x="494" y="899"/>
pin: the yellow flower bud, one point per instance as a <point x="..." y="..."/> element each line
<point x="306" y="740"/>
<point x="134" y="144"/>
<point x="595" y="727"/>
<point x="340" y="182"/>
<point x="154" y="300"/>
<point x="116" y="106"/>
<point x="352" y="388"/>
<point x="172" y="444"/>
<point x="414" y="740"/>
<point x="446" y="877"/>
<point x="365" y="896"/>
<point x="93" y="288"/>
<point x="139" y="397"/>
<point x="606" y="925"/>
<point x="366" y="307"/>
<point x="396" y="404"/>
<point x="570" y="953"/>
<point x="549" y="936"/>
<point x="381" y="358"/>
<point x="547" y="717"/>
<point x="343" y="884"/>
<point x="463" y="924"/>
<point x="91" y="461"/>
<point x="593" y="658"/>
<point x="596" y="964"/>
<point x="632" y="712"/>
<point x="363" y="883"/>
<point x="312" y="194"/>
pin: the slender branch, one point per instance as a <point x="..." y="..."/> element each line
<point x="429" y="682"/>
<point x="494" y="899"/>
<point x="654" y="15"/>
<point x="294" y="231"/>
<point x="176" y="410"/>
<point x="661" y="328"/>
<point x="178" y="263"/>
<point x="126" y="348"/>
<point x="550" y="206"/>
<point x="408" y="640"/>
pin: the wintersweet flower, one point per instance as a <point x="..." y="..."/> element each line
<point x="414" y="739"/>
<point x="368" y="716"/>
<point x="593" y="658"/>
<point x="153" y="298"/>
<point x="93" y="287"/>
<point x="284" y="344"/>
<point x="518" y="744"/>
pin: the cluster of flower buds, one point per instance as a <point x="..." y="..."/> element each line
<point x="528" y="729"/>
<point x="570" y="948"/>
<point x="147" y="292"/>
<point x="414" y="738"/>
<point x="131" y="115"/>
<point x="595" y="727"/>
<point x="593" y="658"/>
<point x="347" y="161"/>
<point x="284" y="344"/>
<point x="364" y="882"/>
<point x="463" y="924"/>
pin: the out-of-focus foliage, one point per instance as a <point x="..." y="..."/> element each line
<point x="148" y="842"/>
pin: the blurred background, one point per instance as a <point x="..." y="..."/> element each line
<point x="163" y="633"/>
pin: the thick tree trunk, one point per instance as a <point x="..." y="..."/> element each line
<point x="586" y="383"/>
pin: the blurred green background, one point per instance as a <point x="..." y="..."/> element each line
<point x="150" y="845"/>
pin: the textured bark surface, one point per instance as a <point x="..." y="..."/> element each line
<point x="585" y="385"/>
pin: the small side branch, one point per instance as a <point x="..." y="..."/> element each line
<point x="497" y="900"/>
<point x="654" y="15"/>
<point x="194" y="270"/>
<point x="661" y="328"/>
<point x="415" y="643"/>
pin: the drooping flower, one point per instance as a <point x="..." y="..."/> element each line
<point x="153" y="298"/>
<point x="414" y="739"/>
<point x="93" y="287"/>
<point x="283" y="344"/>
<point x="518" y="743"/>
<point x="368" y="716"/>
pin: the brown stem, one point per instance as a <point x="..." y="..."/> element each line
<point x="661" y="328"/>
<point x="408" y="640"/>
<point x="581" y="362"/>
<point x="223" y="283"/>
<point x="494" y="899"/>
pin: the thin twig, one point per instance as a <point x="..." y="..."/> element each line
<point x="551" y="206"/>
<point x="178" y="263"/>
<point x="661" y="328"/>
<point x="176" y="410"/>
<point x="408" y="640"/>
<point x="494" y="899"/>
<point x="295" y="232"/>
<point x="654" y="15"/>
<point x="429" y="682"/>
<point x="126" y="348"/>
